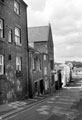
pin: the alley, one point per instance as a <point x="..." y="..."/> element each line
<point x="61" y="106"/>
<point x="40" y="60"/>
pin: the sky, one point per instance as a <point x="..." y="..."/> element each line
<point x="65" y="17"/>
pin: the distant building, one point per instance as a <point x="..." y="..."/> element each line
<point x="77" y="71"/>
<point x="41" y="39"/>
<point x="13" y="50"/>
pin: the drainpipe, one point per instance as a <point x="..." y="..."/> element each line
<point x="27" y="57"/>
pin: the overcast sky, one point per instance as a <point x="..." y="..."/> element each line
<point x="65" y="17"/>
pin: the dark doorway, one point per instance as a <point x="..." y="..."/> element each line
<point x="41" y="87"/>
<point x="36" y="88"/>
<point x="59" y="79"/>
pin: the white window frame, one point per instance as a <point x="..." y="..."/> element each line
<point x="10" y="36"/>
<point x="17" y="36"/>
<point x="2" y="65"/>
<point x="18" y="63"/>
<point x="16" y="7"/>
<point x="1" y="28"/>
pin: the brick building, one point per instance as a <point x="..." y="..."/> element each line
<point x="36" y="85"/>
<point x="13" y="50"/>
<point x="41" y="39"/>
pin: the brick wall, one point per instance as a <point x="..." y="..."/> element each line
<point x="13" y="86"/>
<point x="47" y="48"/>
<point x="35" y="75"/>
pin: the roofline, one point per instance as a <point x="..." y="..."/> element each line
<point x="40" y="41"/>
<point x="25" y="3"/>
<point x="48" y="25"/>
<point x="37" y="41"/>
<point x="33" y="49"/>
<point x="38" y="26"/>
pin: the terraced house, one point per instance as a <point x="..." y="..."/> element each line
<point x="40" y="38"/>
<point x="36" y="85"/>
<point x="13" y="50"/>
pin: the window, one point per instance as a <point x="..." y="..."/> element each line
<point x="52" y="80"/>
<point x="10" y="36"/>
<point x="44" y="57"/>
<point x="18" y="63"/>
<point x="16" y="7"/>
<point x="51" y="64"/>
<point x="45" y="71"/>
<point x="34" y="64"/>
<point x="1" y="64"/>
<point x="17" y="36"/>
<point x="1" y="28"/>
<point x="39" y="64"/>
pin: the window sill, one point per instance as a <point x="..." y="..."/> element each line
<point x="17" y="14"/>
<point x="19" y="45"/>
<point x="19" y="73"/>
<point x="2" y="39"/>
<point x="10" y="42"/>
<point x="39" y="71"/>
<point x="45" y="74"/>
<point x="34" y="71"/>
<point x="2" y="76"/>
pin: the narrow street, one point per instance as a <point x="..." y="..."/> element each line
<point x="65" y="105"/>
<point x="40" y="60"/>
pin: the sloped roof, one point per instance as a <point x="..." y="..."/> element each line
<point x="24" y="3"/>
<point x="38" y="34"/>
<point x="77" y="69"/>
<point x="59" y="68"/>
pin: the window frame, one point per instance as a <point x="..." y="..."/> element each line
<point x="2" y="28"/>
<point x="45" y="71"/>
<point x="45" y="57"/>
<point x="18" y="63"/>
<point x="39" y="64"/>
<point x="2" y="64"/>
<point x="34" y="64"/>
<point x="10" y="36"/>
<point x="16" y="7"/>
<point x="18" y="37"/>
